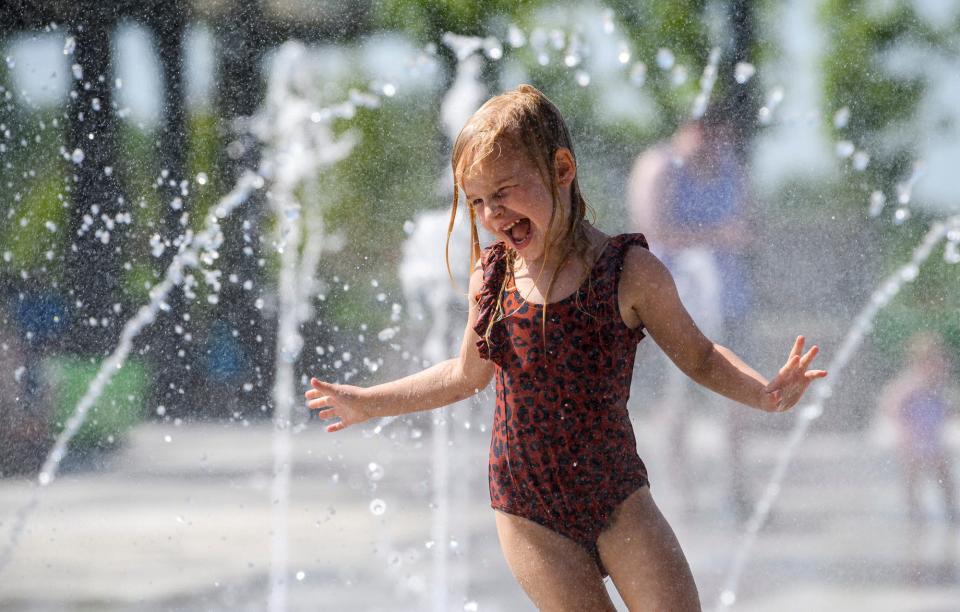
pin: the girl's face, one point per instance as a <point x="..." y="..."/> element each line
<point x="511" y="201"/>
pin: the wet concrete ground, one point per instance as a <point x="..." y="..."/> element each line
<point x="180" y="519"/>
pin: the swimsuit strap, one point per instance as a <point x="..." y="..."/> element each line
<point x="608" y="277"/>
<point x="494" y="262"/>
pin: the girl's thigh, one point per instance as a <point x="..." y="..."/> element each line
<point x="557" y="573"/>
<point x="643" y="557"/>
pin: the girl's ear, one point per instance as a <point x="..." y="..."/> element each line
<point x="566" y="166"/>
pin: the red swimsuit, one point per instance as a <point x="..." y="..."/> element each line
<point x="563" y="452"/>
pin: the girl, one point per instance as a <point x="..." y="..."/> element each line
<point x="556" y="311"/>
<point x="917" y="399"/>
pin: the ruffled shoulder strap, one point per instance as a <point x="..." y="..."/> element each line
<point x="494" y="262"/>
<point x="612" y="270"/>
<point x="620" y="244"/>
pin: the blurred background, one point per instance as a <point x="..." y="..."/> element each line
<point x="205" y="203"/>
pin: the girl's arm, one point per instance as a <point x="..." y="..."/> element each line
<point x="648" y="288"/>
<point x="439" y="385"/>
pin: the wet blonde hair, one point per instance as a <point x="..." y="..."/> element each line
<point x="523" y="120"/>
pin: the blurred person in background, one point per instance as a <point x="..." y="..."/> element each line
<point x="689" y="195"/>
<point x="918" y="401"/>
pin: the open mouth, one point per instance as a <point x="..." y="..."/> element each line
<point x="518" y="232"/>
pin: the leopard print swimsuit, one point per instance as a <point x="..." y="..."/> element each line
<point x="563" y="452"/>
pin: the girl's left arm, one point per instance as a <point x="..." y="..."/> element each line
<point x="649" y="291"/>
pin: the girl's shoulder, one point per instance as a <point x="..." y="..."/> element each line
<point x="641" y="269"/>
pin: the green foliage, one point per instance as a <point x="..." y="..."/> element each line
<point x="859" y="36"/>
<point x="678" y="26"/>
<point x="121" y="406"/>
<point x="392" y="172"/>
<point x="26" y="235"/>
<point x="427" y="20"/>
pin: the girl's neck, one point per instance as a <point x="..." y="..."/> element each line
<point x="544" y="268"/>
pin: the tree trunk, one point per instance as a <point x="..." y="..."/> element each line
<point x="93" y="271"/>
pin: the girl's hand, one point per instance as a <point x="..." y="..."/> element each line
<point x="786" y="389"/>
<point x="337" y="401"/>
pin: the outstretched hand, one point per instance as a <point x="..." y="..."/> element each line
<point x="330" y="401"/>
<point x="789" y="385"/>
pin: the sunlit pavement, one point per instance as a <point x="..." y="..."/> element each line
<point x="180" y="519"/>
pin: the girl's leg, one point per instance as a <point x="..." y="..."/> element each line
<point x="945" y="478"/>
<point x="643" y="557"/>
<point x="557" y="573"/>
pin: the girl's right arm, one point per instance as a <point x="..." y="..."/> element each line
<point x="439" y="385"/>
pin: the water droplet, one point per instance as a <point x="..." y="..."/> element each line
<point x="492" y="48"/>
<point x="471" y="606"/>
<point x="18" y="373"/>
<point x="623" y="52"/>
<point x="389" y="90"/>
<point x="910" y="273"/>
<point x="743" y="71"/>
<point x="877" y="201"/>
<point x="841" y="118"/>
<point x="607" y="20"/>
<point x="951" y="253"/>
<point x="77" y="70"/>
<point x="558" y="39"/>
<point x="10" y="62"/>
<point x="901" y="215"/>
<point x="861" y="159"/>
<point x="904" y="192"/>
<point x="301" y="575"/>
<point x="728" y="597"/>
<point x="168" y="438"/>
<point x="845" y="149"/>
<point x="202" y="178"/>
<point x="638" y="74"/>
<point x="77" y="156"/>
<point x="374" y="472"/>
<point x="51" y="226"/>
<point x="44" y="478"/>
<point x="516" y="37"/>
<point x="678" y="76"/>
<point x="582" y="77"/>
<point x="665" y="59"/>
<point x="378" y="507"/>
<point x="69" y="45"/>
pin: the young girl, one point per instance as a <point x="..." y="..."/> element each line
<point x="556" y="311"/>
<point x="917" y="399"/>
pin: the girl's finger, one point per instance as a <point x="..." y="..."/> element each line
<point x="320" y="402"/>
<point x="812" y="374"/>
<point x="791" y="364"/>
<point x="329" y="413"/>
<point x="319" y="384"/>
<point x="336" y="427"/>
<point x="805" y="361"/>
<point x="797" y="346"/>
